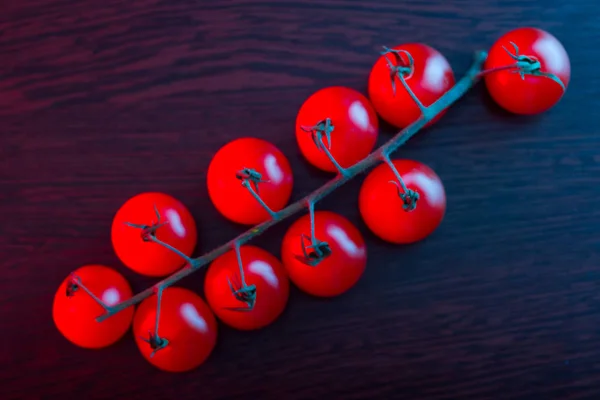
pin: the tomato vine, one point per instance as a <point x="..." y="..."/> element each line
<point x="315" y="248"/>
<point x="344" y="175"/>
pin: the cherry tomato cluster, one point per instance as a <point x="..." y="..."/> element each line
<point x="250" y="180"/>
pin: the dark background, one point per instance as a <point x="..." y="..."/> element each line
<point x="101" y="100"/>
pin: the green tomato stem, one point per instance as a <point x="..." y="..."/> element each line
<point x="451" y="96"/>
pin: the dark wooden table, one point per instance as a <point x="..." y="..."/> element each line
<point x="101" y="100"/>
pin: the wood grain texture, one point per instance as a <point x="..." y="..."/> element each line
<point x="101" y="100"/>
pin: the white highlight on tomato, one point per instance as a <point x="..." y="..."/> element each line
<point x="175" y="222"/>
<point x="273" y="169"/>
<point x="359" y="115"/>
<point x="344" y="241"/>
<point x="191" y="316"/>
<point x="433" y="191"/>
<point x="553" y="53"/>
<point x="265" y="271"/>
<point x="433" y="76"/>
<point x="111" y="296"/>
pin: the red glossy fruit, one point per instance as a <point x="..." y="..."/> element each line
<point x="186" y="322"/>
<point x="262" y="270"/>
<point x="382" y="208"/>
<point x="430" y="78"/>
<point x="74" y="311"/>
<point x="355" y="127"/>
<point x="234" y="201"/>
<point x="336" y="273"/>
<point x="148" y="258"/>
<point x="534" y="94"/>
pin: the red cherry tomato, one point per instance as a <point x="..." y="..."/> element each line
<point x="534" y="94"/>
<point x="336" y="273"/>
<point x="234" y="201"/>
<point x="145" y="257"/>
<point x="74" y="311"/>
<point x="355" y="127"/>
<point x="186" y="322"/>
<point x="381" y="206"/>
<point x="430" y="78"/>
<point x="262" y="270"/>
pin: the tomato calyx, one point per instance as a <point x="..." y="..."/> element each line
<point x="251" y="177"/>
<point x="72" y="287"/>
<point x="246" y="294"/>
<point x="75" y="284"/>
<point x="314" y="252"/>
<point x="149" y="231"/>
<point x="242" y="291"/>
<point x="525" y="65"/>
<point x="409" y="197"/>
<point x="148" y="234"/>
<point x="399" y="68"/>
<point x="156" y="342"/>
<point x="528" y="65"/>
<point x="323" y="127"/>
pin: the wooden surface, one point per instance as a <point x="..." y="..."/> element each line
<point x="101" y="100"/>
